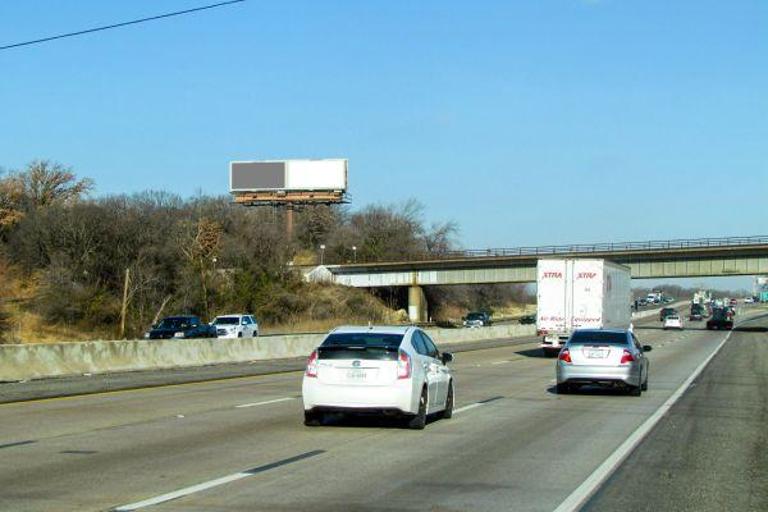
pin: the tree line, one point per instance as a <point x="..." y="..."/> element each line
<point x="159" y="253"/>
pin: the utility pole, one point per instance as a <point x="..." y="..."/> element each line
<point x="125" y="302"/>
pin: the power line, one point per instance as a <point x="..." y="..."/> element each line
<point x="118" y="25"/>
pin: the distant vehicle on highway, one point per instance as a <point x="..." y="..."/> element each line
<point x="185" y="326"/>
<point x="477" y="319"/>
<point x="642" y="302"/>
<point x="393" y="371"/>
<point x="236" y="326"/>
<point x="749" y="300"/>
<point x="606" y="357"/>
<point x="697" y="313"/>
<point x="527" y="319"/>
<point x="665" y="312"/>
<point x="579" y="294"/>
<point x="721" y="319"/>
<point x="673" y="322"/>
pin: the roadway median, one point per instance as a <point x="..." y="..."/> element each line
<point x="20" y="363"/>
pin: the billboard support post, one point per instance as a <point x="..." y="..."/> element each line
<point x="289" y="222"/>
<point x="288" y="184"/>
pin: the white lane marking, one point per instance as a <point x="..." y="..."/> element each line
<point x="214" y="483"/>
<point x="254" y="404"/>
<point x="467" y="407"/>
<point x="583" y="492"/>
<point x="181" y="492"/>
<point x="501" y="362"/>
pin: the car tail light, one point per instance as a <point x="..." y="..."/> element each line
<point x="541" y="332"/>
<point x="312" y="365"/>
<point x="403" y="366"/>
<point x="565" y="356"/>
<point x="627" y="357"/>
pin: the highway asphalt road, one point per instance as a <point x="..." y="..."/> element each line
<point x="513" y="444"/>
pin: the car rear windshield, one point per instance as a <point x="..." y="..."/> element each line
<point x="176" y="323"/>
<point x="475" y="316"/>
<point x="367" y="345"/>
<point x="598" y="338"/>
<point x="227" y="320"/>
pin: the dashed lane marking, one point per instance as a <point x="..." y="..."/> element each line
<point x="467" y="407"/>
<point x="267" y="402"/>
<point x="214" y="483"/>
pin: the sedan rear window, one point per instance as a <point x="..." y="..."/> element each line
<point x="365" y="345"/>
<point x="598" y="338"/>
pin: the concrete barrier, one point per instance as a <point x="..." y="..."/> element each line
<point x="35" y="361"/>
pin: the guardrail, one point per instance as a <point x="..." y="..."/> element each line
<point x="549" y="250"/>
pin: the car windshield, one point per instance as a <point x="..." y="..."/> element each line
<point x="175" y="323"/>
<point x="475" y="316"/>
<point x="227" y="320"/>
<point x="598" y="337"/>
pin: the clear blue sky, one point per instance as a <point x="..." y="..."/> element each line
<point x="527" y="122"/>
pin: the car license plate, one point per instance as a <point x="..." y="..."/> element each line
<point x="356" y="374"/>
<point x="595" y="354"/>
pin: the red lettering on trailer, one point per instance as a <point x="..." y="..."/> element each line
<point x="586" y="275"/>
<point x="556" y="275"/>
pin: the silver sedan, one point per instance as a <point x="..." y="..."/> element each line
<point x="604" y="357"/>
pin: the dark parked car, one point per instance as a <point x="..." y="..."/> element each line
<point x="665" y="312"/>
<point x="527" y="319"/>
<point x="721" y="319"/>
<point x="186" y="326"/>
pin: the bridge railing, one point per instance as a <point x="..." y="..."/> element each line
<point x="603" y="247"/>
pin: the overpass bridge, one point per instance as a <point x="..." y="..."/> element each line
<point x="702" y="257"/>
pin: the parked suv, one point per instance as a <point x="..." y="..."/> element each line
<point x="186" y="326"/>
<point x="236" y="326"/>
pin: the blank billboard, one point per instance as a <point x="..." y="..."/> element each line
<point x="289" y="175"/>
<point x="257" y="176"/>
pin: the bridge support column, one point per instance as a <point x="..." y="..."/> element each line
<point x="417" y="304"/>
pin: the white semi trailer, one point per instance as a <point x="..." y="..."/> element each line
<point x="580" y="293"/>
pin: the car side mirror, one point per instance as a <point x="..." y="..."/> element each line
<point x="647" y="348"/>
<point x="446" y="357"/>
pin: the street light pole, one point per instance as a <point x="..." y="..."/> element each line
<point x="322" y="254"/>
<point x="354" y="253"/>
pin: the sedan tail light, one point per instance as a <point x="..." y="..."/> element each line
<point x="627" y="357"/>
<point x="312" y="365"/>
<point x="565" y="356"/>
<point x="404" y="366"/>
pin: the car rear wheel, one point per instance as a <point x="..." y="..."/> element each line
<point x="448" y="411"/>
<point x="313" y="419"/>
<point x="635" y="390"/>
<point x="563" y="389"/>
<point x="644" y="387"/>
<point x="419" y="421"/>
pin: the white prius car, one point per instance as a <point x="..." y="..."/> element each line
<point x="394" y="371"/>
